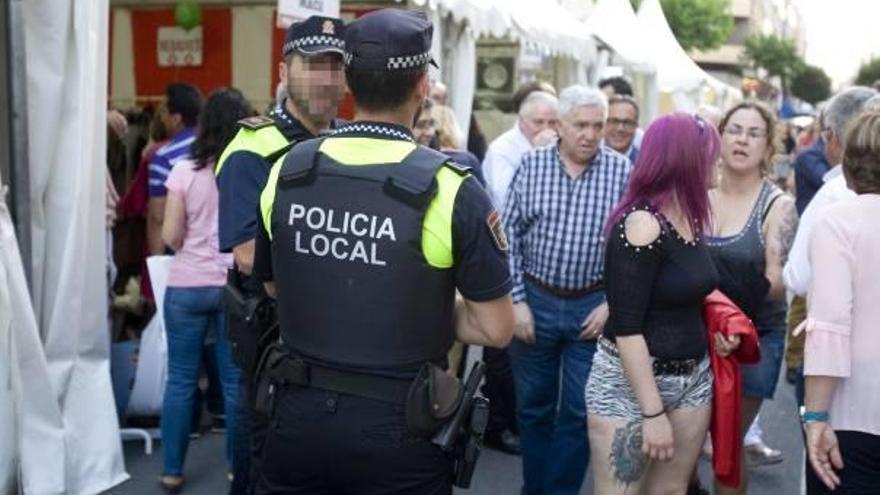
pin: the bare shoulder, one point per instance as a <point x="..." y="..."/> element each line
<point x="641" y="228"/>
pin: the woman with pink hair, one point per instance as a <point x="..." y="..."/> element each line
<point x="649" y="395"/>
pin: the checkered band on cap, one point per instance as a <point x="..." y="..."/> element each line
<point x="372" y="129"/>
<point x="409" y="62"/>
<point x="308" y="41"/>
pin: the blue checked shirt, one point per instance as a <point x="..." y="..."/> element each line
<point x="556" y="224"/>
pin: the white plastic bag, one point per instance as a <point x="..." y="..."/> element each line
<point x="152" y="370"/>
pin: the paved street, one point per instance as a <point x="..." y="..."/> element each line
<point x="496" y="474"/>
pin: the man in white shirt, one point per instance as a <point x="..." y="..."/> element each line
<point x="535" y="126"/>
<point x="842" y="109"/>
<point x="797" y="274"/>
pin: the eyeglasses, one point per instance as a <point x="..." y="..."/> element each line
<point x="737" y="131"/>
<point x="625" y="123"/>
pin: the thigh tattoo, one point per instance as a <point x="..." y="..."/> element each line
<point x="627" y="459"/>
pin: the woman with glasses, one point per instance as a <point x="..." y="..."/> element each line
<point x="649" y="394"/>
<point x="753" y="225"/>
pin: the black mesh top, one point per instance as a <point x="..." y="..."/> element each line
<point x="657" y="290"/>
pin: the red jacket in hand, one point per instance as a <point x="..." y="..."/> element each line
<point x="722" y="316"/>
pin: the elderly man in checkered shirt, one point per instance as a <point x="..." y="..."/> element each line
<point x="555" y="216"/>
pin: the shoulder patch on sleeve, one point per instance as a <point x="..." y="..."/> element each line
<point x="256" y="123"/>
<point x="462" y="170"/>
<point x="496" y="230"/>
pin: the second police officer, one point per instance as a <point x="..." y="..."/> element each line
<point x="365" y="237"/>
<point x="311" y="73"/>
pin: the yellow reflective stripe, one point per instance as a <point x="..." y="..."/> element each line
<point x="267" y="197"/>
<point x="437" y="225"/>
<point x="264" y="141"/>
<point x="366" y="151"/>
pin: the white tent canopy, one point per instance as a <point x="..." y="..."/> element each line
<point x="614" y="23"/>
<point x="550" y="27"/>
<point x="459" y="23"/>
<point x="677" y="73"/>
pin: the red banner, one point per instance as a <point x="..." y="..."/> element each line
<point x="216" y="65"/>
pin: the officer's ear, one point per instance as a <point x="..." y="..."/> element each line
<point x="423" y="88"/>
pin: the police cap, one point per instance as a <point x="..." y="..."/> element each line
<point x="389" y="39"/>
<point x="314" y="36"/>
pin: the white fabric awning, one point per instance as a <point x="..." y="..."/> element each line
<point x="549" y="26"/>
<point x="614" y="23"/>
<point x="676" y="71"/>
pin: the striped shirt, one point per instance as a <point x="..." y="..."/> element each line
<point x="177" y="149"/>
<point x="555" y="224"/>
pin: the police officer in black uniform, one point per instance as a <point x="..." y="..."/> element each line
<point x="365" y="238"/>
<point x="312" y="72"/>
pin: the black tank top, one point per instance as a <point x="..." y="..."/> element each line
<point x="742" y="262"/>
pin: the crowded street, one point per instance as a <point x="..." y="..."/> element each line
<point x="499" y="472"/>
<point x="437" y="247"/>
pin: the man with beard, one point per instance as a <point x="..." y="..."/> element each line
<point x="312" y="74"/>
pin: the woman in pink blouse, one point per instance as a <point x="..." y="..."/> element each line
<point x="194" y="299"/>
<point x="842" y="354"/>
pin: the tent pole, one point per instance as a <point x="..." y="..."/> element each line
<point x="13" y="126"/>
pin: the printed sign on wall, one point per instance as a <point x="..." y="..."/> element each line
<point x="290" y="11"/>
<point x="177" y="47"/>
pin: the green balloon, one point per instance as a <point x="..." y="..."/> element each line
<point x="188" y="14"/>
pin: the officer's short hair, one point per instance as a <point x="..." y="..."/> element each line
<point x="379" y="90"/>
<point x="186" y="100"/>
<point x="387" y="52"/>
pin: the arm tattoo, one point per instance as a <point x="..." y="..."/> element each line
<point x="627" y="459"/>
<point x="787" y="229"/>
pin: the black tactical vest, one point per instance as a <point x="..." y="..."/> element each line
<point x="354" y="288"/>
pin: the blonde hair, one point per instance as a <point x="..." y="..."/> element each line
<point x="861" y="155"/>
<point x="448" y="131"/>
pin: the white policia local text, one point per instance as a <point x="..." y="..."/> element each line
<point x="344" y="223"/>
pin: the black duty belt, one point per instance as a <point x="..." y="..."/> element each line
<point x="565" y="293"/>
<point x="675" y="367"/>
<point x="297" y="372"/>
